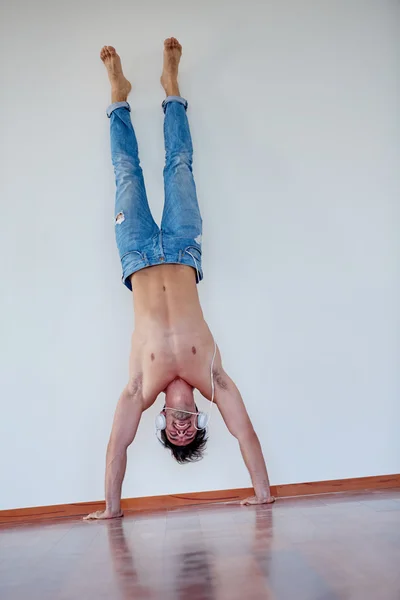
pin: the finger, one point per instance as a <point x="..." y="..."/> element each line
<point x="92" y="516"/>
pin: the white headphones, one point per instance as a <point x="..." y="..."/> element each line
<point x="202" y="421"/>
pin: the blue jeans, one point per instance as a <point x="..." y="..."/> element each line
<point x="141" y="243"/>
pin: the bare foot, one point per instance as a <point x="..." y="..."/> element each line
<point x="120" y="86"/>
<point x="172" y="56"/>
<point x="100" y="515"/>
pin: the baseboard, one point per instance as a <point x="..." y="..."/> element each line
<point x="152" y="503"/>
<point x="337" y="485"/>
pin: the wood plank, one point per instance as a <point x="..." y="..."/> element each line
<point x="151" y="503"/>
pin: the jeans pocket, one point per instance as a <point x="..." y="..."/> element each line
<point x="195" y="253"/>
<point x="196" y="250"/>
<point x="140" y="254"/>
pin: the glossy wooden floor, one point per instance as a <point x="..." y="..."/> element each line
<point x="330" y="547"/>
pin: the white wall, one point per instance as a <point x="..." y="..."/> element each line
<point x="294" y="114"/>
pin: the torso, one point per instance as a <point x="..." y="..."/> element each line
<point x="171" y="338"/>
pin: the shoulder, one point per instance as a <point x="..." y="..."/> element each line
<point x="221" y="379"/>
<point x="135" y="385"/>
<point x="140" y="393"/>
<point x="134" y="390"/>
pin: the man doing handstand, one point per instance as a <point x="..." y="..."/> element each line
<point x="173" y="350"/>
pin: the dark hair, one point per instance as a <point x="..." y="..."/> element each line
<point x="192" y="452"/>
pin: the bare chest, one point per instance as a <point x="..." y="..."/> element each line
<point x="159" y="359"/>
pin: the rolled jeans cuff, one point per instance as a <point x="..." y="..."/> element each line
<point x="116" y="105"/>
<point x="169" y="99"/>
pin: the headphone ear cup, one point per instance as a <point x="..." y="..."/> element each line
<point x="202" y="420"/>
<point x="161" y="422"/>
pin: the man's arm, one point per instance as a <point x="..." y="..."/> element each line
<point x="234" y="413"/>
<point x="126" y="420"/>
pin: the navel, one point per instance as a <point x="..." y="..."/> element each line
<point x="152" y="356"/>
<point x="194" y="350"/>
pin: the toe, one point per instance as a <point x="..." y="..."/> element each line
<point x="112" y="50"/>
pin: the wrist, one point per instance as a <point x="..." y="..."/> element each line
<point x="262" y="492"/>
<point x="263" y="497"/>
<point x="113" y="511"/>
